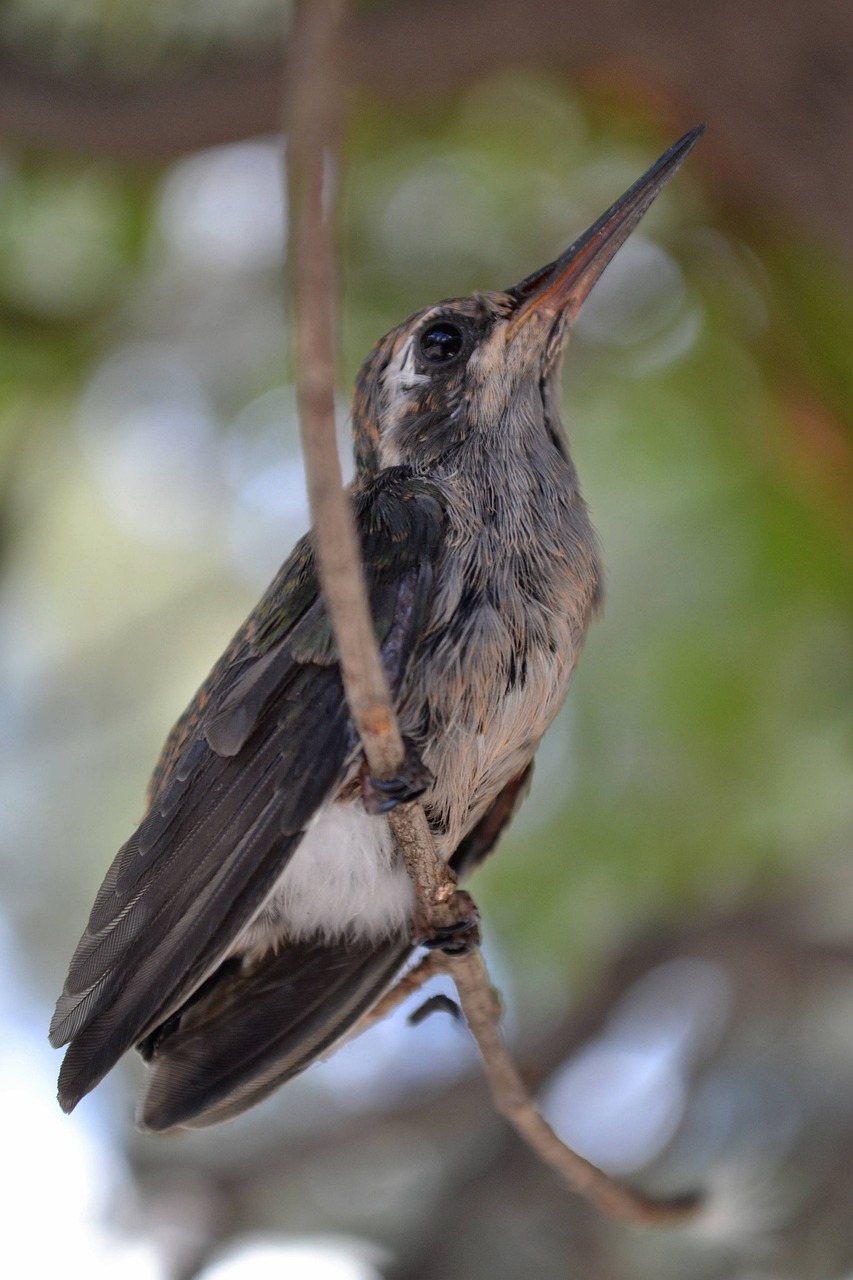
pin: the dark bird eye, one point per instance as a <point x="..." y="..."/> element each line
<point x="441" y="342"/>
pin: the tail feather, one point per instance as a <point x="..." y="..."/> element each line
<point x="251" y="1030"/>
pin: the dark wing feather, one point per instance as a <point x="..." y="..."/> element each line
<point x="256" y="1030"/>
<point x="253" y="1029"/>
<point x="265" y="742"/>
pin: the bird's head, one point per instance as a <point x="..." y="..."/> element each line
<point x="487" y="363"/>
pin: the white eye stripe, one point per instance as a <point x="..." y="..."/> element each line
<point x="401" y="375"/>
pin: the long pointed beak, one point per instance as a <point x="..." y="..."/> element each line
<point x="561" y="288"/>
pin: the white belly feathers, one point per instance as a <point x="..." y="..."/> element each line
<point x="344" y="879"/>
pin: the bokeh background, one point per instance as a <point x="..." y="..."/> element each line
<point x="671" y="918"/>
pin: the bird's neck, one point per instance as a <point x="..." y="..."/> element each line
<point x="511" y="487"/>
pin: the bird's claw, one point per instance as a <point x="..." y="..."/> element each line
<point x="439" y="1003"/>
<point x="381" y="795"/>
<point x="456" y="939"/>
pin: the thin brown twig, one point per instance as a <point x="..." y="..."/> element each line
<point x="482" y="1008"/>
<point x="314" y="122"/>
<point x="314" y="119"/>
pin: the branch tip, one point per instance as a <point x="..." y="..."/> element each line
<point x="314" y="120"/>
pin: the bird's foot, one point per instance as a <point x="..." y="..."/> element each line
<point x="456" y="939"/>
<point x="380" y="795"/>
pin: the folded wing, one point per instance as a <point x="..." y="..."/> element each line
<point x="267" y="740"/>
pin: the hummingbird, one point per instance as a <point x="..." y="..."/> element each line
<point x="260" y="908"/>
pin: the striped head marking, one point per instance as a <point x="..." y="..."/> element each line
<point x="415" y="393"/>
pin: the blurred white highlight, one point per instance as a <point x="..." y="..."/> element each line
<point x="300" y="1258"/>
<point x="147" y="431"/>
<point x="224" y="209"/>
<point x="620" y="1099"/>
<point x="59" y="1177"/>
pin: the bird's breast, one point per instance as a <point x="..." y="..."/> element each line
<point x="486" y="708"/>
<point x="508" y="625"/>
